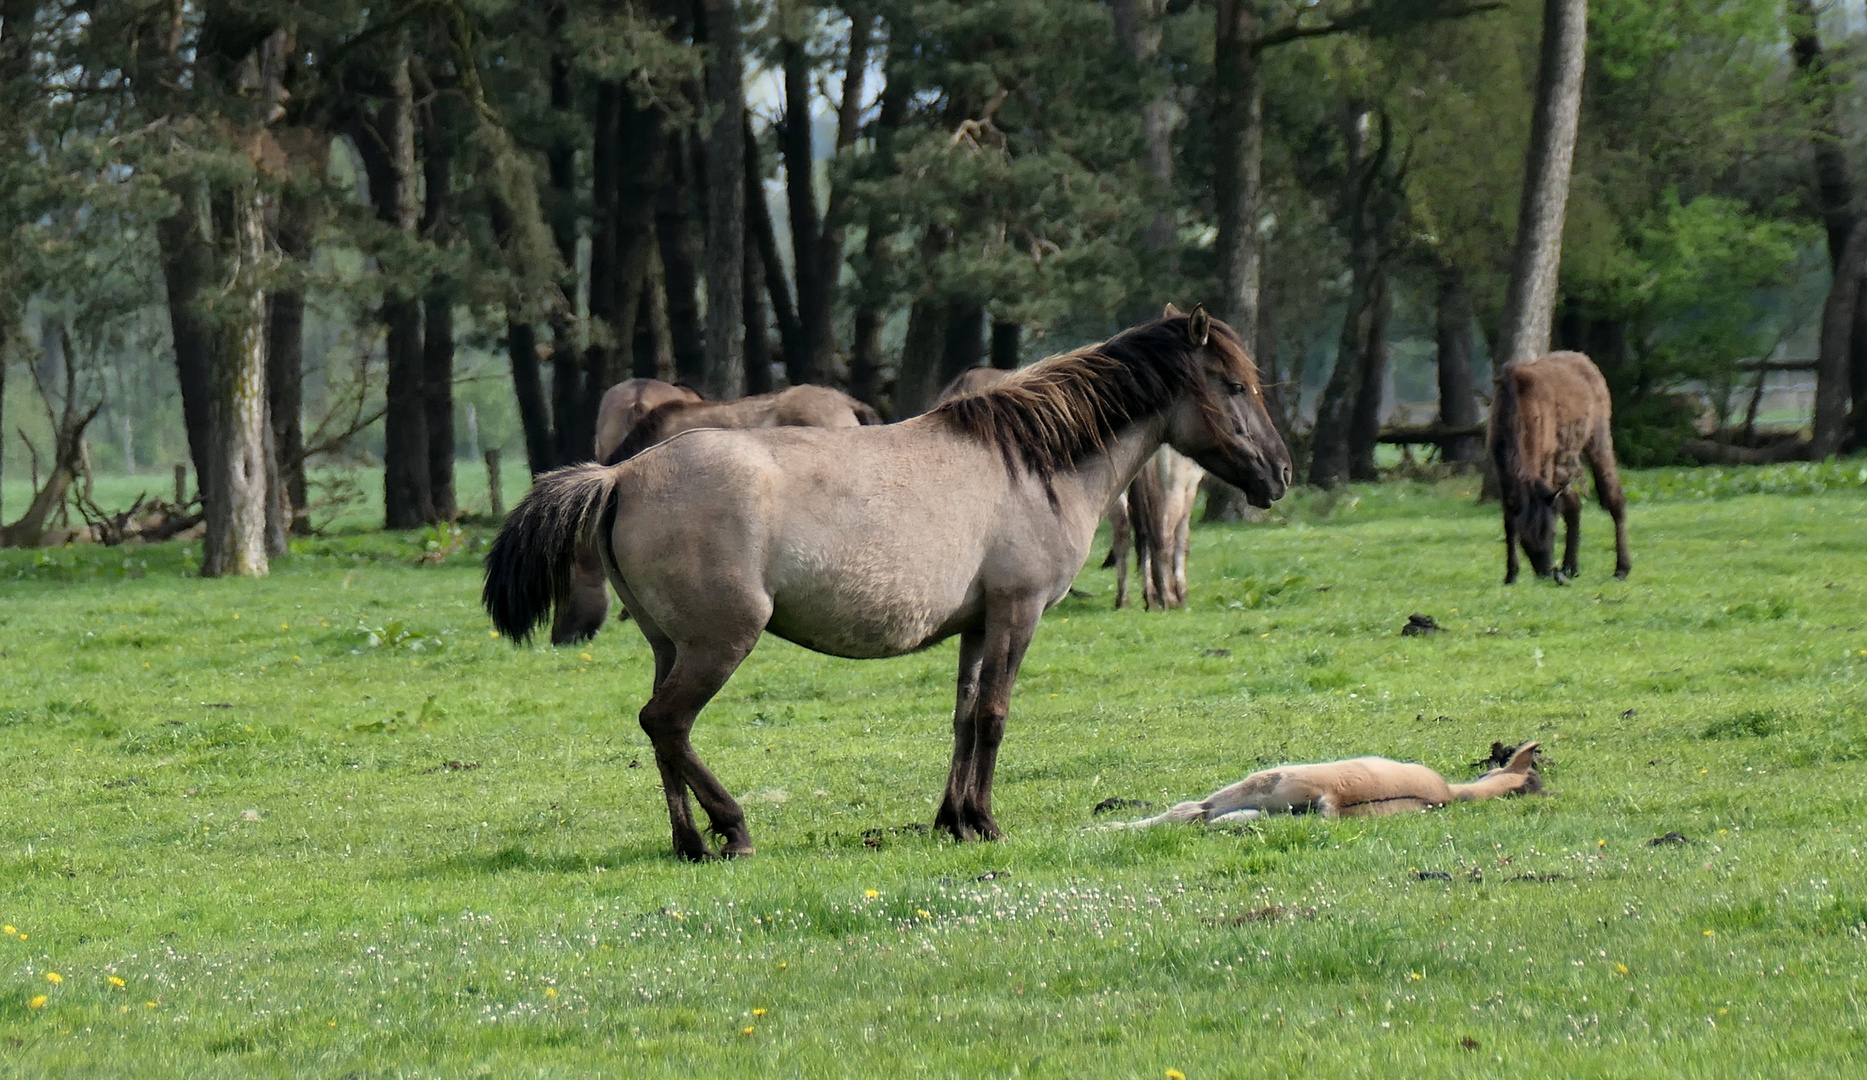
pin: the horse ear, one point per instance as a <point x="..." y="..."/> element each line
<point x="1523" y="760"/>
<point x="1171" y="312"/>
<point x="1199" y="325"/>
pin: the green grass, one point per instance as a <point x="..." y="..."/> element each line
<point x="221" y="793"/>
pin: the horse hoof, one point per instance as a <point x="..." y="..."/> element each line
<point x="738" y="849"/>
<point x="1621" y="573"/>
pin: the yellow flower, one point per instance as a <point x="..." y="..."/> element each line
<point x="1416" y="976"/>
<point x="54" y="978"/>
<point x="870" y="893"/>
<point x="923" y="913"/>
<point x="584" y="656"/>
<point x="492" y="633"/>
<point x="10" y="931"/>
<point x="22" y="937"/>
<point x="149" y="1004"/>
<point x="551" y="991"/>
<point x="1175" y="1074"/>
<point x="760" y="1012"/>
<point x="285" y="626"/>
<point x="37" y="1002"/>
<point x="116" y="981"/>
<point x="749" y="1029"/>
<point x="1711" y="933"/>
<point x="1620" y="969"/>
<point x="1601" y="843"/>
<point x="123" y="1008"/>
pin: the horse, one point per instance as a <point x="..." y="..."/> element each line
<point x="1358" y="787"/>
<point x="1155" y="518"/>
<point x="1551" y="413"/>
<point x="798" y="406"/>
<point x="864" y="542"/>
<point x="970" y="381"/>
<point x="638" y="413"/>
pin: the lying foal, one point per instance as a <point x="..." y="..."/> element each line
<point x="1359" y="787"/>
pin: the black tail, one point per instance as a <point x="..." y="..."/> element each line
<point x="528" y="570"/>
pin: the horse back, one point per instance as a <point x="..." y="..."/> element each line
<point x="1547" y="411"/>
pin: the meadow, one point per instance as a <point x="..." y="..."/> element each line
<point x="326" y="824"/>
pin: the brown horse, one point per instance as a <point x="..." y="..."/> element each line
<point x="636" y="414"/>
<point x="864" y="542"/>
<point x="1359" y="787"/>
<point x="1550" y="414"/>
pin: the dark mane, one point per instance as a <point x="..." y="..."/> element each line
<point x="1052" y="415"/>
<point x="647" y="431"/>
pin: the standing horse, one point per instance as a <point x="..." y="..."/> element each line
<point x="639" y="413"/>
<point x="879" y="541"/>
<point x="1551" y="413"/>
<point x="1156" y="518"/>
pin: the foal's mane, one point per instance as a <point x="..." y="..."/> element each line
<point x="648" y="430"/>
<point x="1057" y="412"/>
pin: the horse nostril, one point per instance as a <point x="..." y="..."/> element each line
<point x="1284" y="474"/>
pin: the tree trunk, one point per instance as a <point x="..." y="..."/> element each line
<point x="1006" y="344"/>
<point x="1137" y="25"/>
<point x="1238" y="156"/>
<point x="964" y="347"/>
<point x="528" y="388"/>
<point x="723" y="375"/>
<point x="757" y="339"/>
<point x="794" y="142"/>
<point x="1458" y="407"/>
<point x="1364" y="430"/>
<point x="608" y="332"/>
<point x="674" y="231"/>
<point x="637" y="266"/>
<point x="1331" y="438"/>
<point x="1831" y="370"/>
<point x="236" y="517"/>
<point x="764" y="239"/>
<point x="285" y="365"/>
<point x="407" y="495"/>
<point x="187" y="265"/>
<point x="437" y="369"/>
<point x="917" y="383"/>
<point x="1834" y="187"/>
<point x="865" y="353"/>
<point x="1537" y="259"/>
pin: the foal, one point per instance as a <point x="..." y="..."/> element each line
<point x="1359" y="787"/>
<point x="1550" y="414"/>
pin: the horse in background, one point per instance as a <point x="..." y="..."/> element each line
<point x="1358" y="787"/>
<point x="864" y="542"/>
<point x="1155" y="518"/>
<point x="639" y="413"/>
<point x="1551" y="413"/>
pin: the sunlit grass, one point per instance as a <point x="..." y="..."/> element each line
<point x="249" y="841"/>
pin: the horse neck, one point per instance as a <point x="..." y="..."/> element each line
<point x="1096" y="480"/>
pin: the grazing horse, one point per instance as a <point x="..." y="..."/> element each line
<point x="1359" y="787"/>
<point x="638" y="413"/>
<point x="866" y="542"/>
<point x="1551" y="413"/>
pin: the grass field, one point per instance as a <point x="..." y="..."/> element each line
<point x="324" y="824"/>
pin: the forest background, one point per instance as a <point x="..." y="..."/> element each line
<point x="407" y="233"/>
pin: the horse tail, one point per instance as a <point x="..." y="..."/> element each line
<point x="528" y="571"/>
<point x="865" y="414"/>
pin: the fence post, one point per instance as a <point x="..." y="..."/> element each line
<point x="492" y="482"/>
<point x="181" y="485"/>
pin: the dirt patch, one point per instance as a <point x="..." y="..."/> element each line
<point x="1419" y="625"/>
<point x="1269" y="914"/>
<point x="453" y="766"/>
<point x="1670" y="839"/>
<point x="874" y="837"/>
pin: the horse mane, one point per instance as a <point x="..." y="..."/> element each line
<point x="1050" y="416"/>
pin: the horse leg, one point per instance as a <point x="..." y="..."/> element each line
<point x="689" y="683"/>
<point x="952" y="818"/>
<point x="1571" y="504"/>
<point x="1511" y="565"/>
<point x="1182" y="539"/>
<point x="1121" y="538"/>
<point x="1600" y="454"/>
<point x="1007" y="635"/>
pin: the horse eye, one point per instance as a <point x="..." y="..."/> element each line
<point x="1235" y="386"/>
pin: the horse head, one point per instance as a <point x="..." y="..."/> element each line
<point x="1223" y="423"/>
<point x="1517" y="776"/>
<point x="1533" y="503"/>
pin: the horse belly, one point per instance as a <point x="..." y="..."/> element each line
<point x="862" y="614"/>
